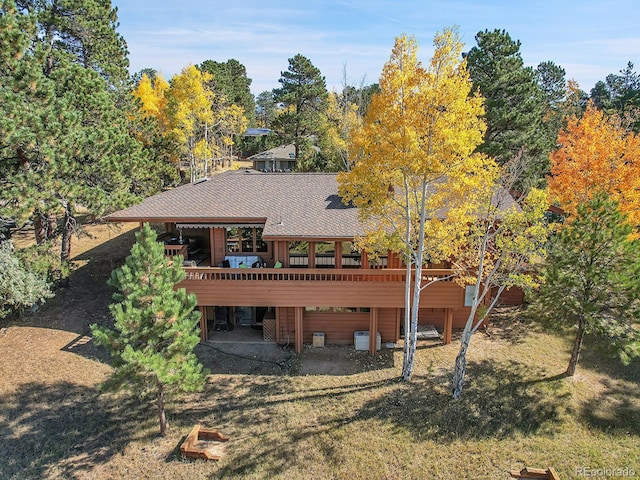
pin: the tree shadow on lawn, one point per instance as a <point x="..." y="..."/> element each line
<point x="617" y="404"/>
<point x="262" y="397"/>
<point x="66" y="427"/>
<point x="511" y="325"/>
<point x="499" y="400"/>
<point x="597" y="355"/>
<point x="617" y="407"/>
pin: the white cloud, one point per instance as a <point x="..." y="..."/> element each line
<point x="578" y="35"/>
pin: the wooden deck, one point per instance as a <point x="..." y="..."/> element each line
<point x="296" y="287"/>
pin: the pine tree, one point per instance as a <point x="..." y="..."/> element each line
<point x="514" y="104"/>
<point x="592" y="279"/>
<point x="156" y="327"/>
<point x="302" y="99"/>
<point x="66" y="137"/>
<point x="230" y="80"/>
<point x="620" y="94"/>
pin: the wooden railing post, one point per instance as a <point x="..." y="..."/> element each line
<point x="448" y="326"/>
<point x="204" y="334"/>
<point x="299" y="328"/>
<point x="373" y="331"/>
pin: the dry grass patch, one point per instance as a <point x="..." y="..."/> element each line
<point x="517" y="409"/>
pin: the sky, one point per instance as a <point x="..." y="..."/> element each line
<point x="352" y="39"/>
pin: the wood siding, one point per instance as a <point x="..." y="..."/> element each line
<point x="436" y="317"/>
<point x="512" y="296"/>
<point x="388" y="325"/>
<point x="337" y="327"/>
<point x="313" y="287"/>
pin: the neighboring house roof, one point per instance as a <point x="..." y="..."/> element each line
<point x="291" y="205"/>
<point x="257" y="132"/>
<point x="284" y="152"/>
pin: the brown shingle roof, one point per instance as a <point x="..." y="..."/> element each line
<point x="304" y="205"/>
<point x="290" y="205"/>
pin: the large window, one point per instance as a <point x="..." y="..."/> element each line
<point x="325" y="254"/>
<point x="298" y="254"/>
<point x="351" y="257"/>
<point x="245" y="240"/>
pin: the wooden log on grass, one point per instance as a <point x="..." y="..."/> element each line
<point x="196" y="445"/>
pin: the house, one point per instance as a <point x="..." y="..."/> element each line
<point x="277" y="249"/>
<point x="279" y="159"/>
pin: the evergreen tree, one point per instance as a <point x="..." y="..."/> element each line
<point x="19" y="286"/>
<point x="514" y="105"/>
<point x="601" y="96"/>
<point x="66" y="137"/>
<point x="266" y="108"/>
<point x="302" y="99"/>
<point x="156" y="327"/>
<point x="592" y="275"/>
<point x="230" y="80"/>
<point x="554" y="90"/>
<point x="151" y="74"/>
<point x="84" y="31"/>
<point x="620" y="94"/>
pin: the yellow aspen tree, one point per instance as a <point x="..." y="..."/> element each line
<point x="597" y="154"/>
<point x="502" y="241"/>
<point x="414" y="173"/>
<point x="230" y="121"/>
<point x="337" y="124"/>
<point x="153" y="98"/>
<point x="190" y="113"/>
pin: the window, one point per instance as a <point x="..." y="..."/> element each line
<point x="351" y="257"/>
<point x="245" y="240"/>
<point x="298" y="254"/>
<point x="325" y="254"/>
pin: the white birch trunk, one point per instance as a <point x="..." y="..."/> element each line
<point x="461" y="360"/>
<point x="481" y="290"/>
<point x="206" y="143"/>
<point x="411" y="335"/>
<point x="407" y="320"/>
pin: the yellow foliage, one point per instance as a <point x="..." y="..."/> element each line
<point x="338" y="123"/>
<point x="415" y="175"/>
<point x="190" y="102"/>
<point x="153" y="98"/>
<point x="505" y="239"/>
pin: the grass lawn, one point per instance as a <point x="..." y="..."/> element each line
<point x="517" y="409"/>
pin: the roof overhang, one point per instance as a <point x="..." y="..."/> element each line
<point x="220" y="225"/>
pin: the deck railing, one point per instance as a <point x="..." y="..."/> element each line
<point x="173" y="250"/>
<point x="308" y="274"/>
